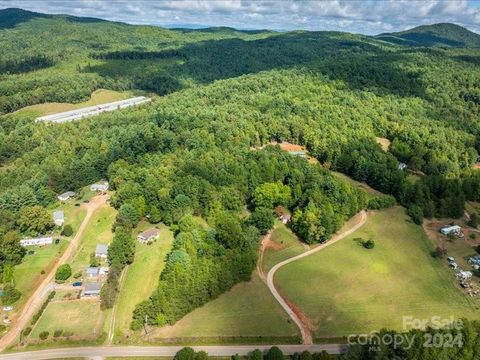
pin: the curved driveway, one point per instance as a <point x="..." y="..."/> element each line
<point x="304" y="330"/>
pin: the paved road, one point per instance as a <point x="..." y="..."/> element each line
<point x="37" y="298"/>
<point x="170" y="351"/>
<point x="304" y="330"/>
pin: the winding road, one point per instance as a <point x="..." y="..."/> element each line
<point x="37" y="298"/>
<point x="360" y="220"/>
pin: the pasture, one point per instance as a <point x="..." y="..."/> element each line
<point x="141" y="277"/>
<point x="99" y="231"/>
<point x="79" y="318"/>
<point x="347" y="289"/>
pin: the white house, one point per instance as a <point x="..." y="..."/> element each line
<point x="36" y="241"/>
<point x="99" y="187"/>
<point x="452" y="229"/>
<point x="66" y="195"/>
<point x="148" y="235"/>
<point x="402" y="166"/>
<point x="101" y="251"/>
<point x="58" y="217"/>
<point x="92" y="271"/>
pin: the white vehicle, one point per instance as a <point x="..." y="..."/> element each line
<point x="7" y="308"/>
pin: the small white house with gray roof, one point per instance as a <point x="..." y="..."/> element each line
<point x="101" y="251"/>
<point x="99" y="187"/>
<point x="92" y="289"/>
<point x="66" y="195"/>
<point x="58" y="217"/>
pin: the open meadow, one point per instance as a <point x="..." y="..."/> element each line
<point x="77" y="318"/>
<point x="29" y="273"/>
<point x="347" y="289"/>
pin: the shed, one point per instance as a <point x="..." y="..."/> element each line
<point x="36" y="241"/>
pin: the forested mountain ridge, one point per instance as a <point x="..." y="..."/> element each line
<point x="189" y="152"/>
<point x="443" y="34"/>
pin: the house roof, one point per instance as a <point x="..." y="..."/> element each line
<point x="99" y="186"/>
<point x="67" y="194"/>
<point x="149" y="233"/>
<point x="101" y="249"/>
<point x="93" y="287"/>
<point x="58" y="215"/>
<point x="92" y="270"/>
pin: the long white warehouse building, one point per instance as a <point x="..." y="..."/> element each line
<point x="92" y="110"/>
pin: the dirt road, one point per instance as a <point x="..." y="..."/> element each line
<point x="37" y="298"/>
<point x="359" y="220"/>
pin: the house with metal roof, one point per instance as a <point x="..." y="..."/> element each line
<point x="101" y="251"/>
<point x="58" y="217"/>
<point x="92" y="289"/>
<point x="66" y="195"/>
<point x="149" y="235"/>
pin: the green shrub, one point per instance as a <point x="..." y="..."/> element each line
<point x="77" y="275"/>
<point x="10" y="295"/>
<point x="274" y="354"/>
<point x="58" y="333"/>
<point x="187" y="353"/>
<point x="369" y="244"/>
<point x="63" y="272"/>
<point x="27" y="331"/>
<point x="2" y="328"/>
<point x="67" y="230"/>
<point x="44" y="335"/>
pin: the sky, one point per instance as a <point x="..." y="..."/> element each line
<point x="357" y="16"/>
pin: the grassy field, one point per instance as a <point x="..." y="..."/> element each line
<point x="284" y="244"/>
<point x="347" y="289"/>
<point x="247" y="310"/>
<point x="82" y="318"/>
<point x="100" y="96"/>
<point x="142" y="278"/>
<point x="74" y="215"/>
<point x="28" y="273"/>
<point x="99" y="231"/>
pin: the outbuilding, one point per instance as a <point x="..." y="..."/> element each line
<point x="452" y="230"/>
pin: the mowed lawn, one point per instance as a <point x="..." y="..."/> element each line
<point x="247" y="310"/>
<point x="347" y="289"/>
<point x="284" y="244"/>
<point x="142" y="277"/>
<point x="98" y="231"/>
<point x="28" y="273"/>
<point x="81" y="318"/>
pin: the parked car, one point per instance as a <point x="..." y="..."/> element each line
<point x="7" y="308"/>
<point x="77" y="283"/>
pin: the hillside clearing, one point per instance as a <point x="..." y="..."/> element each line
<point x="142" y="278"/>
<point x="346" y="289"/>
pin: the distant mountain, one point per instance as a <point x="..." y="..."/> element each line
<point x="444" y="34"/>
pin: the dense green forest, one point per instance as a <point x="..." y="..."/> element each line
<point x="189" y="154"/>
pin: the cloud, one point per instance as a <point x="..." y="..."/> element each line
<point x="367" y="17"/>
